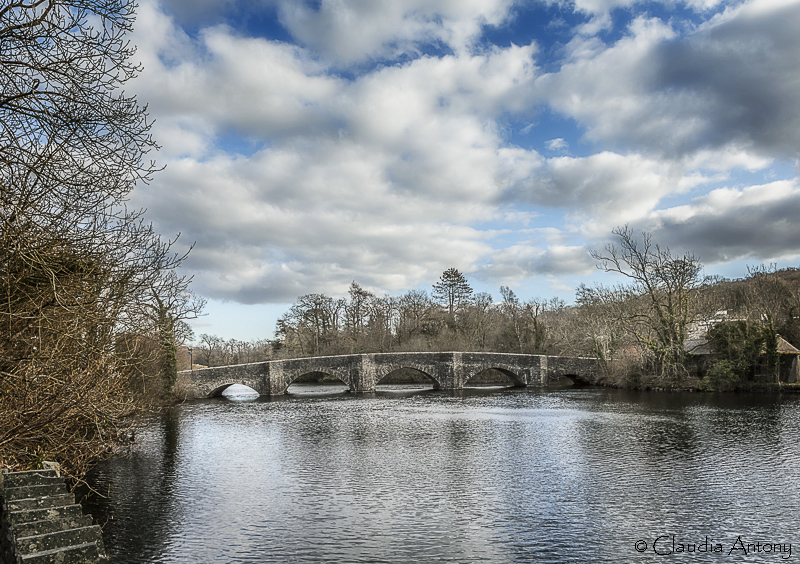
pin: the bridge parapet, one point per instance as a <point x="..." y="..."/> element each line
<point x="362" y="372"/>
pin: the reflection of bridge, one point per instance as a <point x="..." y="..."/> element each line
<point x="361" y="372"/>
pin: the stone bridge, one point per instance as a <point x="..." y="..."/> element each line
<point x="361" y="372"/>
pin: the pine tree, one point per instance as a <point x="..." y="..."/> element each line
<point x="452" y="290"/>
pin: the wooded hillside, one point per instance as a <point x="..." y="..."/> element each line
<point x="645" y="331"/>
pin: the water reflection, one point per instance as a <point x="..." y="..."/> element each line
<point x="330" y="388"/>
<point x="146" y="481"/>
<point x="410" y="474"/>
<point x="239" y="392"/>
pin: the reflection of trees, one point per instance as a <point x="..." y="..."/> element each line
<point x="678" y="460"/>
<point x="685" y="424"/>
<point x="139" y="511"/>
<point x="742" y="425"/>
<point x="375" y="468"/>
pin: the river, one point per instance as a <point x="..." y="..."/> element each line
<point x="495" y="475"/>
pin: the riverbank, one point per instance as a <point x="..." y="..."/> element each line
<point x="696" y="385"/>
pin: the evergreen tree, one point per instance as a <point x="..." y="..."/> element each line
<point x="167" y="348"/>
<point x="452" y="291"/>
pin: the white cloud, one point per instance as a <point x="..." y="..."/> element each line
<point x="346" y="31"/>
<point x="312" y="218"/>
<point x="736" y="223"/>
<point x="294" y="176"/>
<point x="604" y="7"/>
<point x="252" y="85"/>
<point x="529" y="260"/>
<point x="732" y="85"/>
<point x="557" y="144"/>
<point x="602" y="190"/>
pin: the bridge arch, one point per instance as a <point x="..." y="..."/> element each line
<point x="381" y="372"/>
<point x="516" y="379"/>
<point x="582" y="371"/>
<point x="299" y="376"/>
<point x="576" y="379"/>
<point x="218" y="391"/>
<point x="294" y="375"/>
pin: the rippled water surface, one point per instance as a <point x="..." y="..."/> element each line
<point x="492" y="475"/>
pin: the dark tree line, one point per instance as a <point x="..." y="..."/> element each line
<point x="451" y="317"/>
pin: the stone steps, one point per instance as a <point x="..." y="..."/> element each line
<point x="76" y="554"/>
<point x="31" y="528"/>
<point x="25" y="492"/>
<point x="40" y="523"/>
<point x="32" y="478"/>
<point x="47" y="514"/>
<point x="56" y="500"/>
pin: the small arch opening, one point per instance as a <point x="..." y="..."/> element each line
<point x="406" y="379"/>
<point x="235" y="392"/>
<point x="316" y="383"/>
<point x="493" y="378"/>
<point x="566" y="381"/>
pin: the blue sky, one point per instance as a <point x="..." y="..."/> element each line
<point x="309" y="144"/>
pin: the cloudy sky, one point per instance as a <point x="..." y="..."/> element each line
<point x="311" y="143"/>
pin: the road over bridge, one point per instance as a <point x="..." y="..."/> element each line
<point x="362" y="372"/>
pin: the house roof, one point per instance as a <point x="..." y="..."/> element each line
<point x="785" y="347"/>
<point x="699" y="345"/>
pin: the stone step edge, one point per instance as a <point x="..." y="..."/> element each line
<point x="88" y="549"/>
<point x="18" y="516"/>
<point x="43" y="502"/>
<point x="25" y="477"/>
<point x="42" y="490"/>
<point x="46" y="526"/>
<point x="60" y="539"/>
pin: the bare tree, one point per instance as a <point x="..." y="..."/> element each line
<point x="601" y="313"/>
<point x="667" y="284"/>
<point x="357" y="313"/>
<point x="382" y="323"/>
<point x="77" y="264"/>
<point x="311" y="326"/>
<point x="414" y="317"/>
<point x="477" y="321"/>
<point x="320" y="315"/>
<point x="171" y="305"/>
<point x="210" y="350"/>
<point x="513" y="329"/>
<point x="523" y="328"/>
